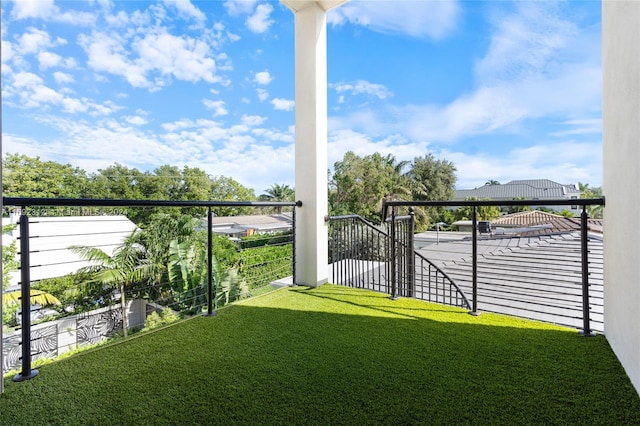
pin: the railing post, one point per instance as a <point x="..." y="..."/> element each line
<point x="293" y="242"/>
<point x="474" y="261"/>
<point x="210" y="290"/>
<point x="393" y="257"/>
<point x="25" y="294"/>
<point x="411" y="268"/>
<point x="586" y="325"/>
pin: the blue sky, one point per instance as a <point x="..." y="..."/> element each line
<point x="504" y="90"/>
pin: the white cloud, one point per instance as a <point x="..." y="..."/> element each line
<point x="253" y="120"/>
<point x="47" y="10"/>
<point x="262" y="77"/>
<point x="185" y="58"/>
<point x="136" y="120"/>
<point x="422" y="19"/>
<point x="363" y="86"/>
<point x="62" y="78"/>
<point x="31" y="92"/>
<point x="48" y="59"/>
<point x="33" y="41"/>
<point x="150" y="61"/>
<point x="531" y="72"/>
<point x="218" y="107"/>
<point x="263" y="95"/>
<point x="282" y="104"/>
<point x="23" y="9"/>
<point x="564" y="162"/>
<point x="239" y="7"/>
<point x="261" y="20"/>
<point x="186" y="8"/>
<point x="526" y="43"/>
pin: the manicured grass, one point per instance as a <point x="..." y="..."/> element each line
<point x="334" y="355"/>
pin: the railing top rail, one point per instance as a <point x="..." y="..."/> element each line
<point x="103" y="202"/>
<point x="477" y="203"/>
<point x="357" y="217"/>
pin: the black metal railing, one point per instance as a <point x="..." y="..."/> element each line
<point x="382" y="258"/>
<point x="106" y="320"/>
<point x="555" y="287"/>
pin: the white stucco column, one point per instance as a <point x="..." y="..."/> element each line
<point x="311" y="138"/>
<point x="621" y="179"/>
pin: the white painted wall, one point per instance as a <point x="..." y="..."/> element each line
<point x="621" y="159"/>
<point x="50" y="238"/>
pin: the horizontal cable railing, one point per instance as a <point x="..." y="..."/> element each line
<point x="215" y="264"/>
<point x="542" y="273"/>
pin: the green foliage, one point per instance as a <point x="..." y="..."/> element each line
<point x="262" y="265"/>
<point x="77" y="292"/>
<point x="31" y="177"/>
<point x="265" y="240"/>
<point x="360" y="184"/>
<point x="431" y="180"/>
<point x="9" y="259"/>
<point x="155" y="320"/>
<point x="482" y="212"/>
<point x="127" y="267"/>
<point x="9" y="264"/>
<point x="566" y="213"/>
<point x="278" y="193"/>
<point x="227" y="189"/>
<point x="229" y="287"/>
<point x="518" y="209"/>
<point x="187" y="272"/>
<point x="594" y="212"/>
<point x="25" y="176"/>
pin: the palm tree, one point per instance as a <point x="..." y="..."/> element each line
<point x="492" y="182"/>
<point x="126" y="266"/>
<point x="279" y="193"/>
<point x="36" y="297"/>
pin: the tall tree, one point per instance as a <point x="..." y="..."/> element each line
<point x="25" y="176"/>
<point x="116" y="182"/>
<point x="431" y="180"/>
<point x="279" y="193"/>
<point x="359" y="184"/>
<point x="591" y="192"/>
<point x="227" y="189"/>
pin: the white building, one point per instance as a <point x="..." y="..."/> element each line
<point x="51" y="237"/>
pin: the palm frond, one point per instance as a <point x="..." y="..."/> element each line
<point x="37" y="297"/>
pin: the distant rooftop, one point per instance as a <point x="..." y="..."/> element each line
<point x="530" y="189"/>
<point x="250" y="224"/>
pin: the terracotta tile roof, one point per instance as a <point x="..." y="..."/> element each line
<point x="536" y="218"/>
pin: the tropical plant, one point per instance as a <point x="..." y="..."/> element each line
<point x="77" y="292"/>
<point x="360" y="184"/>
<point x="187" y="272"/>
<point x="127" y="266"/>
<point x="482" y="212"/>
<point x="11" y="303"/>
<point x="229" y="287"/>
<point x="518" y="209"/>
<point x="589" y="192"/>
<point x="279" y="193"/>
<point x="36" y="297"/>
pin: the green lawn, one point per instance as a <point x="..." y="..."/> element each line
<point x="334" y="355"/>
